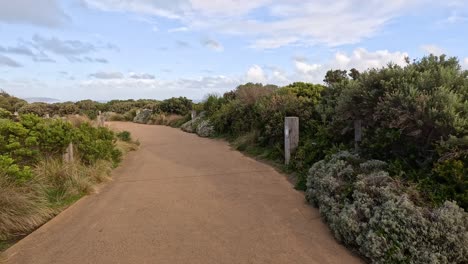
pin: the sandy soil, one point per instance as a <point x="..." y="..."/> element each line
<point x="185" y="199"/>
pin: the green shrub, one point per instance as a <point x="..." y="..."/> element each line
<point x="124" y="136"/>
<point x="13" y="171"/>
<point x="17" y="142"/>
<point x="64" y="109"/>
<point x="212" y="104"/>
<point x="116" y="117"/>
<point x="234" y="118"/>
<point x="5" y="114"/>
<point x="39" y="109"/>
<point x="130" y="115"/>
<point x="306" y="91"/>
<point x="95" y="144"/>
<point x="370" y="211"/>
<point x="10" y="103"/>
<point x="178" y="106"/>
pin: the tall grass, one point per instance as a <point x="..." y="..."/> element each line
<point x="22" y="208"/>
<point x="56" y="185"/>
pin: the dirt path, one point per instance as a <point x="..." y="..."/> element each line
<point x="185" y="199"/>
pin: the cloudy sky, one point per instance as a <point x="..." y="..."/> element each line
<point x="105" y="49"/>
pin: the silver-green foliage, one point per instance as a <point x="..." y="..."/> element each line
<point x="372" y="213"/>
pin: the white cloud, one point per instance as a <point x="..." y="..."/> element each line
<point x="465" y="62"/>
<point x="195" y="88"/>
<point x="256" y="74"/>
<point x="314" y="72"/>
<point x="37" y="12"/>
<point x="179" y="29"/>
<point x="39" y="49"/>
<point x="304" y="67"/>
<point x="6" y="61"/>
<point x="162" y="8"/>
<point x="283" y="22"/>
<point x="361" y="59"/>
<point x="107" y="75"/>
<point x="213" y="44"/>
<point x="146" y="76"/>
<point x="432" y="49"/>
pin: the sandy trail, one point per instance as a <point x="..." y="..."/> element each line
<point x="185" y="199"/>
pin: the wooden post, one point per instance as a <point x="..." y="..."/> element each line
<point x="100" y="119"/>
<point x="194" y="114"/>
<point x="68" y="155"/>
<point x="291" y="137"/>
<point x="357" y="134"/>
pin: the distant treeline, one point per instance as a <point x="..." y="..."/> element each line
<point x="90" y="108"/>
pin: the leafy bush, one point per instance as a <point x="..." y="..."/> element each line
<point x="407" y="113"/>
<point x="95" y="144"/>
<point x="5" y="114"/>
<point x="250" y="93"/>
<point x="124" y="136"/>
<point x="233" y="118"/>
<point x="39" y="109"/>
<point x="10" y="103"/>
<point x="111" y="116"/>
<point x="64" y="109"/>
<point x="179" y="106"/>
<point x="13" y="171"/>
<point x="372" y="212"/>
<point x="212" y="104"/>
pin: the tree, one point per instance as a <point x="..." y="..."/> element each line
<point x="335" y="76"/>
<point x="354" y="74"/>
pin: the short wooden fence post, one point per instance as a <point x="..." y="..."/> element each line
<point x="68" y="155"/>
<point x="291" y="137"/>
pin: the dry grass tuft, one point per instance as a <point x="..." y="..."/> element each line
<point x="126" y="147"/>
<point x="72" y="179"/>
<point x="22" y="208"/>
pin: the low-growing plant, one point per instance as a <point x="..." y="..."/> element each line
<point x="124" y="136"/>
<point x="370" y="211"/>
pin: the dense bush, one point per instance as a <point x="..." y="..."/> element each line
<point x="39" y="109"/>
<point x="407" y="113"/>
<point x="374" y="213"/>
<point x="5" y="114"/>
<point x="10" y="103"/>
<point x="95" y="144"/>
<point x="178" y="106"/>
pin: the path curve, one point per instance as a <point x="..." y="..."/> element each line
<point x="185" y="199"/>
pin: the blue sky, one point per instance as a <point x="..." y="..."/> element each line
<point x="117" y="49"/>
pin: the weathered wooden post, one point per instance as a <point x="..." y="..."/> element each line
<point x="357" y="134"/>
<point x="194" y="114"/>
<point x="100" y="119"/>
<point x="291" y="137"/>
<point x="68" y="155"/>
